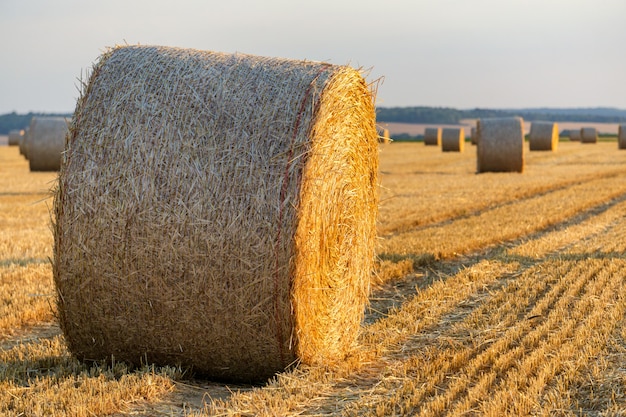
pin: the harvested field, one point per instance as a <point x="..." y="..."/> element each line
<point x="494" y="294"/>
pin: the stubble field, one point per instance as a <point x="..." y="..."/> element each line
<point x="494" y="294"/>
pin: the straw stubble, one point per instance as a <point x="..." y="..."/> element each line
<point x="216" y="211"/>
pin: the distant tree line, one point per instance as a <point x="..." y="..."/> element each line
<point x="434" y="115"/>
<point x="14" y="121"/>
<point x="447" y="115"/>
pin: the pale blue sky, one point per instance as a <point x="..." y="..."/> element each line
<point x="455" y="53"/>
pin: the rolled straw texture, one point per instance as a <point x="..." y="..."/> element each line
<point x="588" y="135"/>
<point x="500" y="145"/>
<point x="432" y="136"/>
<point x="544" y="136"/>
<point x="216" y="211"/>
<point x="473" y="136"/>
<point x="46" y="141"/>
<point x="621" y="136"/>
<point x="452" y="139"/>
<point x="15" y="137"/>
<point x="574" y="135"/>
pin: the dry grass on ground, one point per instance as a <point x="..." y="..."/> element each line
<point x="495" y="294"/>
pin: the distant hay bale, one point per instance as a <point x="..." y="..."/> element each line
<point x="500" y="145"/>
<point x="588" y="135"/>
<point x="574" y="135"/>
<point x="621" y="136"/>
<point x="385" y="137"/>
<point x="432" y="136"/>
<point x="216" y="211"/>
<point x="15" y="137"/>
<point x="23" y="143"/>
<point x="473" y="136"/>
<point x="452" y="139"/>
<point x="544" y="136"/>
<point x="46" y="140"/>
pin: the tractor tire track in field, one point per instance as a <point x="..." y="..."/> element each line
<point x="598" y="220"/>
<point x="504" y="223"/>
<point x="514" y="199"/>
<point x="473" y="363"/>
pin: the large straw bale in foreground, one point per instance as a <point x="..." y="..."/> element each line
<point x="621" y="136"/>
<point x="45" y="143"/>
<point x="588" y="135"/>
<point x="453" y="139"/>
<point x="432" y="136"/>
<point x="15" y="137"/>
<point x="500" y="145"/>
<point x="216" y="211"/>
<point x="544" y="136"/>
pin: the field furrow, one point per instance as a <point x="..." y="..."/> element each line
<point x="423" y="187"/>
<point x="482" y="348"/>
<point x="496" y="225"/>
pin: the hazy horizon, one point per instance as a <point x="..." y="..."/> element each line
<point x="447" y="53"/>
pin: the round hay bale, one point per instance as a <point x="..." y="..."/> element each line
<point x="621" y="136"/>
<point x="452" y="139"/>
<point x="574" y="135"/>
<point x="432" y="136"/>
<point x="45" y="144"/>
<point x="544" y="136"/>
<point x="216" y="211"/>
<point x="588" y="135"/>
<point x="23" y="142"/>
<point x="385" y="137"/>
<point x="473" y="136"/>
<point x="500" y="145"/>
<point x="15" y="137"/>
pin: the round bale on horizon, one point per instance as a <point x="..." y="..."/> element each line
<point x="452" y="139"/>
<point x="500" y="145"/>
<point x="24" y="143"/>
<point x="544" y="136"/>
<point x="46" y="141"/>
<point x="432" y="136"/>
<point x="385" y="137"/>
<point x="15" y="137"/>
<point x="621" y="136"/>
<point x="588" y="135"/>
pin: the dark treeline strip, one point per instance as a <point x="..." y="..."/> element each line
<point x="14" y="121"/>
<point x="422" y="114"/>
<point x="447" y="115"/>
